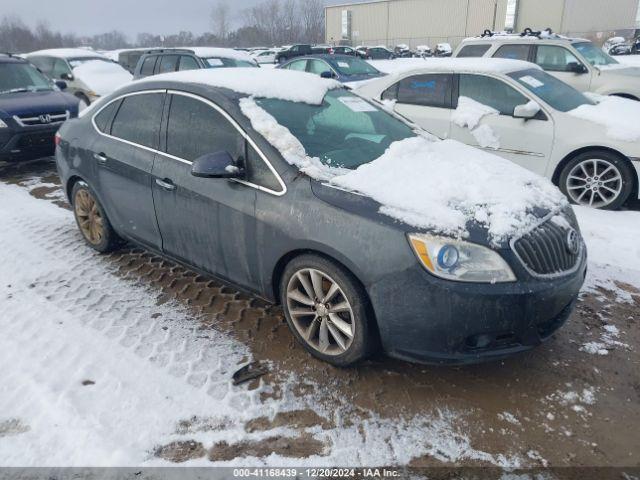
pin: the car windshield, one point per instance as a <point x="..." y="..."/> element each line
<point x="345" y="131"/>
<point x="220" y="62"/>
<point x="76" y="62"/>
<point x="22" y="77"/>
<point x="554" y="92"/>
<point x="594" y="55"/>
<point x="354" y="66"/>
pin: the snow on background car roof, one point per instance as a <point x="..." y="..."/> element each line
<point x="470" y="65"/>
<point x="437" y="185"/>
<point x="102" y="77"/>
<point x="205" y="52"/>
<point x="268" y="83"/>
<point x="68" y="53"/>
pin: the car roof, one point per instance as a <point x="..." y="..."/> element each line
<point x="11" y="58"/>
<point x="518" y="38"/>
<point x="460" y="65"/>
<point x="68" y="53"/>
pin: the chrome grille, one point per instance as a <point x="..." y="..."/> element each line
<point x="44" y="119"/>
<point x="545" y="250"/>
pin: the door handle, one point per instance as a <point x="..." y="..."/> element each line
<point x="166" y="184"/>
<point x="101" y="158"/>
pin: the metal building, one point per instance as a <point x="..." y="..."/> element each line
<point x="419" y="22"/>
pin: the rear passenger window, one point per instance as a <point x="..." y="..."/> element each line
<point x="426" y="90"/>
<point x="473" y="51"/>
<point x="188" y="63"/>
<point x="492" y="92"/>
<point x="138" y="119"/>
<point x="147" y="66"/>
<point x="168" y="63"/>
<point x="103" y="119"/>
<point x="514" y="52"/>
<point x="196" y="129"/>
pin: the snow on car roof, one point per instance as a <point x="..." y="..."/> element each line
<point x="206" y="52"/>
<point x="68" y="53"/>
<point x="267" y="83"/>
<point x="466" y="65"/>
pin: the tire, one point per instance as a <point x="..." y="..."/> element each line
<point x="349" y="300"/>
<point x="606" y="192"/>
<point x="92" y="220"/>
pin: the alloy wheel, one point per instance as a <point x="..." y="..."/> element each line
<point x="320" y="311"/>
<point x="89" y="218"/>
<point x="595" y="183"/>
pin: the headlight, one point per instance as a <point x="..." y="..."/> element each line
<point x="460" y="261"/>
<point x="3" y="125"/>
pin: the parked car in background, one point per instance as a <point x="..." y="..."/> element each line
<point x="199" y="153"/>
<point x="321" y="50"/>
<point x="166" y="60"/>
<point x="524" y="115"/>
<point x="361" y="51"/>
<point x="32" y="108"/>
<point x="127" y="58"/>
<point x="379" y="53"/>
<point x="343" y="50"/>
<point x="88" y="74"/>
<point x="264" y="56"/>
<point x="293" y="51"/>
<point x="575" y="61"/>
<point x="402" y="51"/>
<point x="443" y="50"/>
<point x="343" y="68"/>
<point x="616" y="46"/>
<point x="424" y="51"/>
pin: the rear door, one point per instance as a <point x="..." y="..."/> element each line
<point x="208" y="223"/>
<point x="426" y="100"/>
<point x="525" y="142"/>
<point x="124" y="156"/>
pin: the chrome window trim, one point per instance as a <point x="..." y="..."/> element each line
<point x="574" y="269"/>
<point x="187" y="162"/>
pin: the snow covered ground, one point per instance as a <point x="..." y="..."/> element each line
<point x="98" y="367"/>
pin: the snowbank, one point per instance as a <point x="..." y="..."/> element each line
<point x="103" y="77"/>
<point x="265" y="83"/>
<point x="441" y="185"/>
<point x="618" y="115"/>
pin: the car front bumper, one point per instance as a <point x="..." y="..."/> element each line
<point x="27" y="143"/>
<point x="427" y="320"/>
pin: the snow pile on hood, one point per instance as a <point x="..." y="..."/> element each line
<point x="102" y="77"/>
<point x="440" y="185"/>
<point x="468" y="114"/>
<point x="618" y="115"/>
<point x="206" y="52"/>
<point x="263" y="83"/>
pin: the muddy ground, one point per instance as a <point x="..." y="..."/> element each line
<point x="558" y="405"/>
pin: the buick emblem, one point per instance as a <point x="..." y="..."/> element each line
<point x="573" y="242"/>
<point x="46" y="118"/>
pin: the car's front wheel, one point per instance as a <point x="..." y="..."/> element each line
<point x="92" y="220"/>
<point x="597" y="179"/>
<point x="326" y="310"/>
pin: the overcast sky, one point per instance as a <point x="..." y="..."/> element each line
<point x="85" y="17"/>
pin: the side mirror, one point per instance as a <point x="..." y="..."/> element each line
<point x="216" y="165"/>
<point x="576" y="67"/>
<point x="66" y="76"/>
<point x="61" y="84"/>
<point x="327" y="74"/>
<point x="527" y="111"/>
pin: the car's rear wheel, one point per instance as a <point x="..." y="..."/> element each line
<point x="326" y="310"/>
<point x="92" y="220"/>
<point x="597" y="179"/>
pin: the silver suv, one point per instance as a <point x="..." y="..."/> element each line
<point x="575" y="61"/>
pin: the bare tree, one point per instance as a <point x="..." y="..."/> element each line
<point x="220" y="19"/>
<point x="312" y="13"/>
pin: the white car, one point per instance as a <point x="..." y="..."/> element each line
<point x="589" y="148"/>
<point x="264" y="56"/>
<point x="575" y="61"/>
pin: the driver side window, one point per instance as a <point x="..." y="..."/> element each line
<point x="60" y="67"/>
<point x="555" y="59"/>
<point x="492" y="92"/>
<point x="318" y="67"/>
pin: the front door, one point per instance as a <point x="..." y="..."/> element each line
<point x="525" y="142"/>
<point x="558" y="61"/>
<point x="124" y="158"/>
<point x="208" y="223"/>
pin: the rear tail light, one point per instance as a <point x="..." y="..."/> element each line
<point x="57" y="139"/>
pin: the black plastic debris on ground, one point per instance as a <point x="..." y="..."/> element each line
<point x="249" y="372"/>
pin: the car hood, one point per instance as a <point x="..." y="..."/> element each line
<point x="37" y="103"/>
<point x="621" y="71"/>
<point x="102" y="77"/>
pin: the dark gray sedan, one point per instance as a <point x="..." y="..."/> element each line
<point x="178" y="168"/>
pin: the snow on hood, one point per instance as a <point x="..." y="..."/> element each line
<point x="618" y="115"/>
<point x="438" y="185"/>
<point x="264" y="83"/>
<point x="102" y="77"/>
